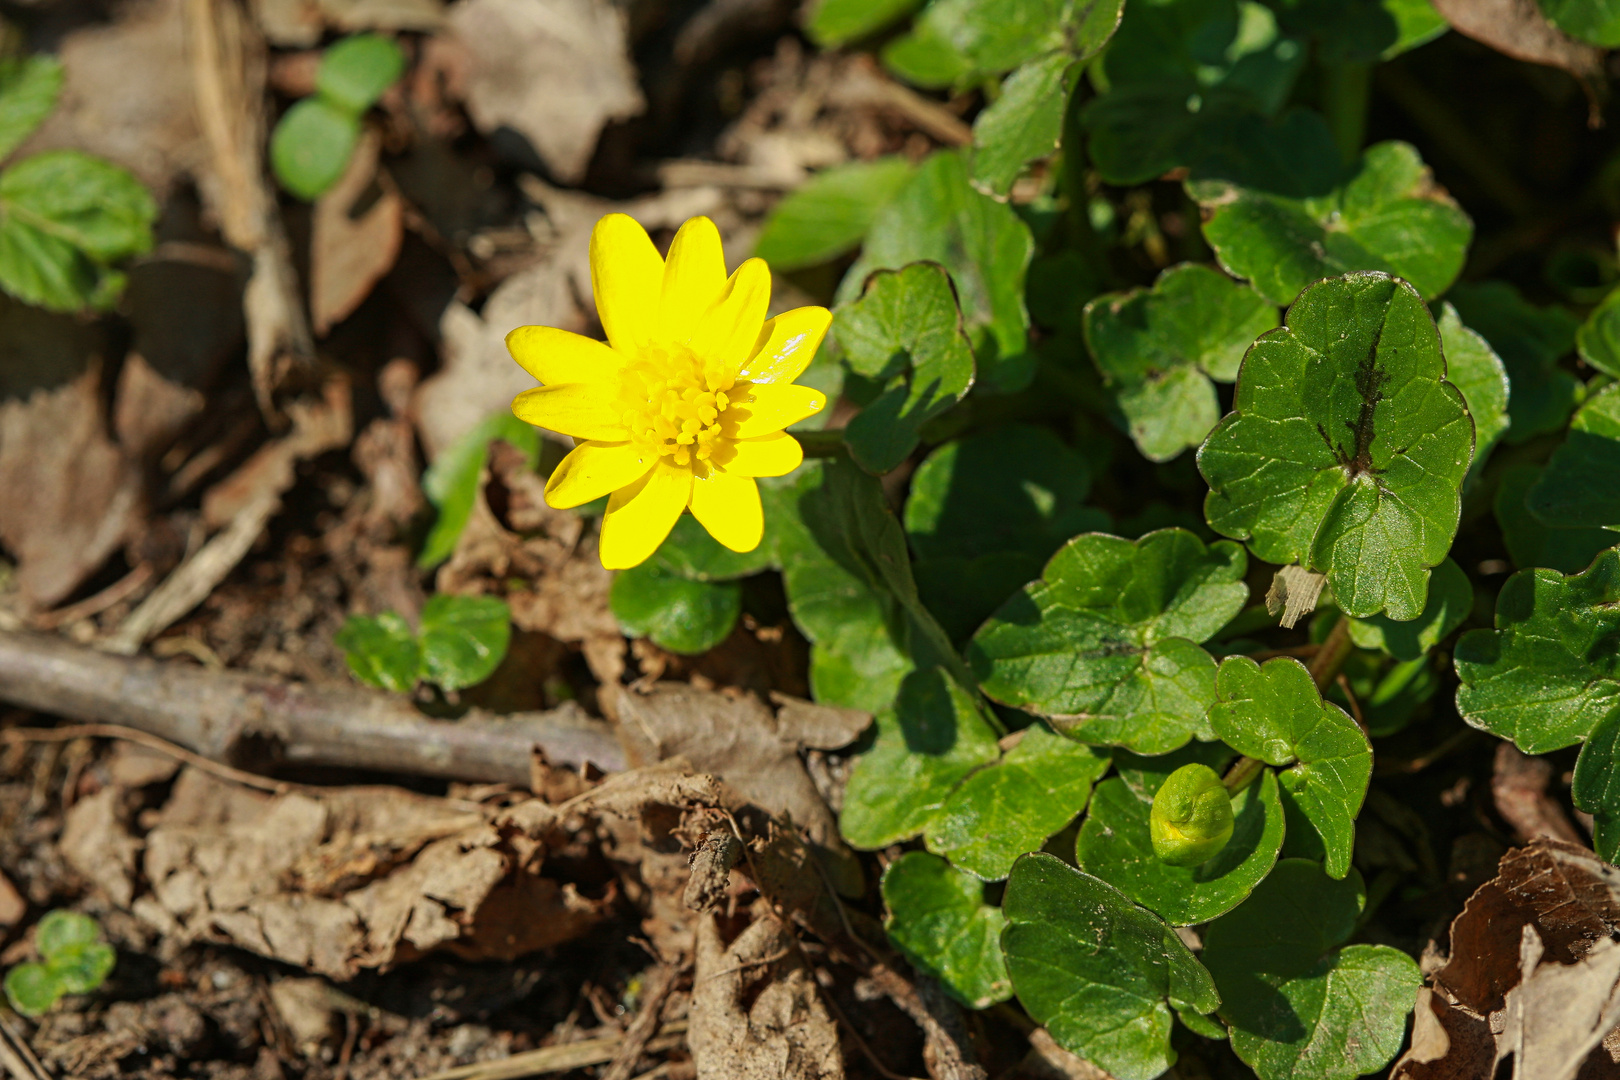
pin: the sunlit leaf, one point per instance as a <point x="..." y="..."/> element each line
<point x="938" y="918"/>
<point x="831" y="213"/>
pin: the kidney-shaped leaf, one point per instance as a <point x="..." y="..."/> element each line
<point x="1105" y="645"/>
<point x="678" y="613"/>
<point x="1580" y="488"/>
<point x="1346" y="448"/>
<point x="938" y="918"/>
<point x="464" y="638"/>
<point x="1101" y="973"/>
<point x="1273" y="712"/>
<point x="1549" y="671"/>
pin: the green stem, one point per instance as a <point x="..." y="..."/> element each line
<point x="1241" y="775"/>
<point x="1329" y="659"/>
<point x="1345" y="91"/>
<point x="826" y="443"/>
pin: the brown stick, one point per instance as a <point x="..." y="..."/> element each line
<point x="234" y="717"/>
<point x="656" y="990"/>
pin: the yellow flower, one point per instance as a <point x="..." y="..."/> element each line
<point x="686" y="402"/>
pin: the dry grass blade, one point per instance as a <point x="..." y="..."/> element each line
<point x="554" y="1059"/>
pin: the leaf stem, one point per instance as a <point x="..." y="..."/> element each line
<point x="1345" y="91"/>
<point x="1245" y="772"/>
<point x="826" y="443"/>
<point x="1325" y="665"/>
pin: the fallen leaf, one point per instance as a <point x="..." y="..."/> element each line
<point x="1558" y="1015"/>
<point x="13" y="908"/>
<point x="350" y="253"/>
<point x="1519" y="29"/>
<point x="1447" y="1043"/>
<point x="149" y="410"/>
<point x="1519" y="787"/>
<point x="96" y="842"/>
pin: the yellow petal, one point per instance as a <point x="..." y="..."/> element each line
<point x="627" y="276"/>
<point x="641" y="515"/>
<point x="759" y="410"/>
<point x="728" y="506"/>
<point x="556" y="356"/>
<point x="694" y="274"/>
<point x="731" y="326"/>
<point x="578" y="409"/>
<point x="787" y="344"/>
<point x="592" y="470"/>
<point x="769" y="455"/>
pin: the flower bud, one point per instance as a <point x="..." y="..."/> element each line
<point x="1192" y="816"/>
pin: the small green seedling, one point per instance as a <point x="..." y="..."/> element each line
<point x="312" y="144"/>
<point x="462" y="641"/>
<point x="75" y="961"/>
<point x="1192" y="816"/>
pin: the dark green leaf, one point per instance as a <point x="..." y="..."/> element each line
<point x="1105" y="644"/>
<point x="1273" y="712"/>
<point x="1157" y="350"/>
<point x="80" y="969"/>
<point x="1145" y="775"/>
<point x="1416" y="23"/>
<point x="355" y="72"/>
<point x="1596" y="785"/>
<point x="1099" y="972"/>
<point x="29" y="86"/>
<point x="1010" y="807"/>
<point x="1115" y="845"/>
<point x="690" y="552"/>
<point x="1346" y="447"/>
<point x="939" y="217"/>
<point x="1549" y="671"/>
<point x="381" y="651"/>
<point x="1598" y="339"/>
<point x="1529" y="541"/>
<point x="1580" y="488"/>
<point x="678" y="613"/>
<point x="1473" y="367"/>
<point x="1385" y="215"/>
<point x="1361" y="31"/>
<point x="451" y="482"/>
<point x="831" y="213"/>
<point x="61" y="932"/>
<point x="1530" y="340"/>
<point x="311" y="146"/>
<point x="1451" y="598"/>
<point x="32" y="989"/>
<point x="835" y="22"/>
<point x="1594" y="21"/>
<point x="1299" y="1007"/>
<point x="1394" y="699"/>
<point x="464" y="638"/>
<point x="905" y="330"/>
<point x="1023" y="124"/>
<point x="988" y="37"/>
<point x="938" y="918"/>
<point x="1227" y="49"/>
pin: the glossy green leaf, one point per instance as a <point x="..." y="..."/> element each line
<point x="451" y="481"/>
<point x="1115" y="844"/>
<point x="1231" y="49"/>
<point x="1451" y="599"/>
<point x="63" y="932"/>
<point x="1299" y="1006"/>
<point x="1105" y="645"/>
<point x="1385" y="214"/>
<point x="1273" y="712"/>
<point x="1580" y="487"/>
<point x="1011" y="806"/>
<point x="29" y="87"/>
<point x="311" y="146"/>
<point x="355" y="71"/>
<point x="1145" y="775"/>
<point x="81" y="969"/>
<point x="1530" y="340"/>
<point x="986" y="247"/>
<point x="938" y="918"/>
<point x="830" y="215"/>
<point x="1100" y="973"/>
<point x="906" y="331"/>
<point x="381" y="651"/>
<point x="33" y="989"/>
<point x="954" y="39"/>
<point x="1598" y="339"/>
<point x="690" y="552"/>
<point x="1529" y="541"/>
<point x="1594" y="21"/>
<point x="1023" y="124"/>
<point x="927" y="743"/>
<point x="1596" y="785"/>
<point x="1473" y="367"/>
<point x="1158" y="349"/>
<point x="1346" y="448"/>
<point x="1191" y="818"/>
<point x="831" y="23"/>
<point x="464" y="638"/>
<point x="1549" y="671"/>
<point x="677" y="613"/>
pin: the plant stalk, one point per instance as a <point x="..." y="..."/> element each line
<point x="1346" y="89"/>
<point x="1245" y="772"/>
<point x="1330" y="658"/>
<point x="826" y="443"/>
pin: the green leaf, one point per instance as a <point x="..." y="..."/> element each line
<point x="831" y="23"/>
<point x="1530" y="340"/>
<point x="1346" y="447"/>
<point x="1023" y="124"/>
<point x="690" y="552"/>
<point x="62" y="932"/>
<point x="1299" y="1007"/>
<point x="32" y="989"/>
<point x="1529" y="541"/>
<point x="81" y="969"/>
<point x="938" y="918"/>
<point x="677" y="613"/>
<point x="464" y="638"/>
<point x="1105" y="645"/>
<point x="1393" y="700"/>
<point x="451" y="481"/>
<point x="985" y="246"/>
<point x="926" y="744"/>
<point x="1100" y="973"/>
<point x="1158" y="349"/>
<point x="311" y="146"/>
<point x="1594" y="21"/>
<point x="906" y="331"/>
<point x="29" y="87"/>
<point x="987" y="37"/>
<point x="1361" y="31"/>
<point x="1115" y="844"/>
<point x="1012" y="806"/>
<point x="1596" y="785"/>
<point x="1416" y="23"/>
<point x="1473" y="367"/>
<point x="1580" y="487"/>
<point x="1273" y="712"/>
<point x="1386" y="214"/>
<point x="355" y="71"/>
<point x="1451" y="598"/>
<point x="1549" y="671"/>
<point x="1145" y="775"/>
<point x="1598" y="339"/>
<point x="830" y="215"/>
<point x="1228" y="50"/>
<point x="381" y="651"/>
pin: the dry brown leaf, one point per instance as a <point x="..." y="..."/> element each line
<point x="1047" y="1060"/>
<point x="299" y="24"/>
<point x="96" y="842"/>
<point x="350" y="253"/>
<point x="1519" y="787"/>
<point x="1559" y="1014"/>
<point x="13" y="908"/>
<point x="150" y="410"/>
<point x="1447" y="1043"/>
<point x="1519" y="29"/>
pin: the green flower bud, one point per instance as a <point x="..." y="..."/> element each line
<point x="1192" y="816"/>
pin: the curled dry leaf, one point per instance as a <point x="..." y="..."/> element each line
<point x="1519" y="29"/>
<point x="349" y="252"/>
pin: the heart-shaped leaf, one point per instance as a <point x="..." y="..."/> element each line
<point x="831" y="213"/>
<point x="311" y="146"/>
<point x="1580" y="488"/>
<point x="33" y="989"/>
<point x="1101" y="973"/>
<point x="1105" y="645"/>
<point x="1451" y="599"/>
<point x="62" y="932"/>
<point x="676" y="612"/>
<point x="1530" y="340"/>
<point x="464" y="638"/>
<point x="1273" y="712"/>
<point x="356" y="71"/>
<point x="1346" y="448"/>
<point x="938" y="918"/>
<point x="1529" y="541"/>
<point x="381" y="651"/>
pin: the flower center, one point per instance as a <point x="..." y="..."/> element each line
<point x="673" y="401"/>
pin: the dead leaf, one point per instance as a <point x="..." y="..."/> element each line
<point x="13" y="908"/>
<point x="555" y="71"/>
<point x="1519" y="29"/>
<point x="1559" y="1014"/>
<point x="96" y="842"/>
<point x="1293" y="593"/>
<point x="711" y="869"/>
<point x="1447" y="1043"/>
<point x="150" y="411"/>
<point x="1047" y="1060"/>
<point x="1519" y="787"/>
<point x="350" y="253"/>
